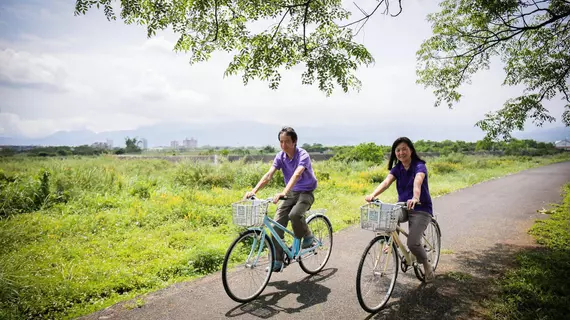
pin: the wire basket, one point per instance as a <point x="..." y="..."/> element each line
<point x="380" y="217"/>
<point x="249" y="213"/>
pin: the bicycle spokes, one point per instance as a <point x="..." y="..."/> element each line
<point x="246" y="265"/>
<point x="377" y="274"/>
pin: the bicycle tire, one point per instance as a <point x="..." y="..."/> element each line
<point x="326" y="228"/>
<point x="385" y="294"/>
<point x="232" y="289"/>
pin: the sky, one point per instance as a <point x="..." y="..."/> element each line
<point x="60" y="72"/>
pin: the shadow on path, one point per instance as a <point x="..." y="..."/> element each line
<point x="458" y="294"/>
<point x="308" y="290"/>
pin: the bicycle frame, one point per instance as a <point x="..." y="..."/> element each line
<point x="394" y="237"/>
<point x="295" y="251"/>
<point x="410" y="259"/>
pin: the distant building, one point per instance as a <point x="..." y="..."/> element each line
<point x="109" y="144"/>
<point x="190" y="143"/>
<point x="174" y="144"/>
<point x="144" y="143"/>
<point x="562" y="144"/>
<point x="100" y="145"/>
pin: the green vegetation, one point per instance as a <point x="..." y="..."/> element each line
<point x="539" y="288"/>
<point x="79" y="234"/>
<point x="270" y="37"/>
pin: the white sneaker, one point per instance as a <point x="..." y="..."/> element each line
<point x="429" y="275"/>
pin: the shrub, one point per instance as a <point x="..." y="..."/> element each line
<point x="207" y="261"/>
<point x="369" y="152"/>
<point x="444" y="167"/>
<point x="374" y="174"/>
<point x="142" y="188"/>
<point x="453" y="157"/>
<point x="322" y="176"/>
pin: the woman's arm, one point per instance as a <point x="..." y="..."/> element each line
<point x="381" y="187"/>
<point x="417" y="192"/>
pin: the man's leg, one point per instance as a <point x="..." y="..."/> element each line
<point x="282" y="217"/>
<point x="298" y="223"/>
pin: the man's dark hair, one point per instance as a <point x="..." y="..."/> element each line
<point x="288" y="131"/>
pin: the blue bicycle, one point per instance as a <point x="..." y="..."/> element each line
<point x="248" y="262"/>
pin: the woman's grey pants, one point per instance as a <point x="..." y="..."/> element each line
<point x="417" y="224"/>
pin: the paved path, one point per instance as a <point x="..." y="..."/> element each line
<point x="481" y="227"/>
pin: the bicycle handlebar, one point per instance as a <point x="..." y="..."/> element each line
<point x="402" y="204"/>
<point x="270" y="199"/>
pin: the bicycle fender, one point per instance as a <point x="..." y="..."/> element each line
<point x="260" y="229"/>
<point x="315" y="212"/>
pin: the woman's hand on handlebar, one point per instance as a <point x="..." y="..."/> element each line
<point x="412" y="203"/>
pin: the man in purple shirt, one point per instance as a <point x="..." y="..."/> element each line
<point x="411" y="176"/>
<point x="300" y="182"/>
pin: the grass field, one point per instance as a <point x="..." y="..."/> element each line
<point x="79" y="234"/>
<point x="538" y="288"/>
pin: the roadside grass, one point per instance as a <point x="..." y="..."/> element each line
<point x="80" y="234"/>
<point x="539" y="287"/>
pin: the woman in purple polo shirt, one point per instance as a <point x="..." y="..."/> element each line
<point x="411" y="176"/>
<point x="300" y="182"/>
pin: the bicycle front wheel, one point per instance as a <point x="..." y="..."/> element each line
<point x="377" y="273"/>
<point x="315" y="260"/>
<point x="431" y="241"/>
<point x="247" y="266"/>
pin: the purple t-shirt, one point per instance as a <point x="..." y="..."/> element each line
<point x="405" y="184"/>
<point x="307" y="181"/>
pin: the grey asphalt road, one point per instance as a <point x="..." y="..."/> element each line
<point x="482" y="226"/>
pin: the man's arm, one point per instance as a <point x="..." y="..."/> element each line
<point x="262" y="182"/>
<point x="294" y="178"/>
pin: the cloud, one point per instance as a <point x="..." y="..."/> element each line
<point x="12" y="124"/>
<point x="158" y="43"/>
<point x="110" y="76"/>
<point x="23" y="69"/>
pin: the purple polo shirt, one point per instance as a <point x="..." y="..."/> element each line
<point x="308" y="181"/>
<point x="405" y="184"/>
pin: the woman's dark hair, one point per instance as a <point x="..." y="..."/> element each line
<point x="288" y="131"/>
<point x="393" y="160"/>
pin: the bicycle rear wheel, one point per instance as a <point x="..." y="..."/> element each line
<point x="431" y="241"/>
<point x="377" y="273"/>
<point x="316" y="260"/>
<point x="248" y="266"/>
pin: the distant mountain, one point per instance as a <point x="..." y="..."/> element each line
<point x="259" y="134"/>
<point x="545" y="135"/>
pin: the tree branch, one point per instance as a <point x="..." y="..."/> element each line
<point x="397" y="14"/>
<point x="363" y="12"/>
<point x="305" y="25"/>
<point x="216" y="19"/>
<point x="366" y="17"/>
<point x="487" y="44"/>
<point x="557" y="83"/>
<point x="279" y="25"/>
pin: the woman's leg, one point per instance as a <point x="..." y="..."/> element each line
<point x="418" y="222"/>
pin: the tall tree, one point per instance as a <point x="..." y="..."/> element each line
<point x="299" y="31"/>
<point x="132" y="145"/>
<point x="530" y="36"/>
